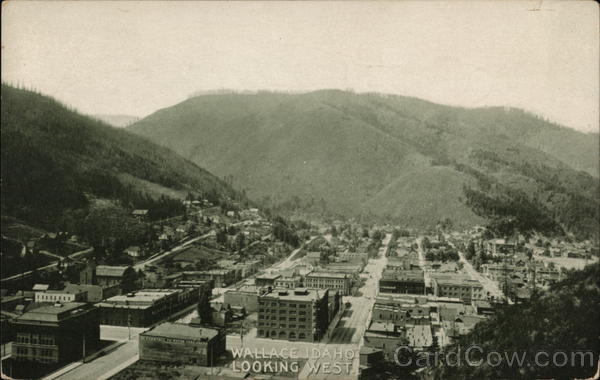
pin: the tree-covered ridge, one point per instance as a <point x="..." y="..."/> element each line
<point x="54" y="159"/>
<point x="561" y="319"/>
<point x="386" y="156"/>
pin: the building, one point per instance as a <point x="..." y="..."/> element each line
<point x="61" y="296"/>
<point x="400" y="264"/>
<point x="94" y="293"/>
<point x="497" y="247"/>
<point x="108" y="276"/>
<point x="220" y="277"/>
<point x="291" y="282"/>
<point x="384" y="336"/>
<point x="402" y="282"/>
<point x="312" y="258"/>
<point x="295" y="315"/>
<point x="181" y="343"/>
<point x="267" y="279"/>
<point x="57" y="334"/>
<point x="246" y="296"/>
<point x="457" y="286"/>
<point x="145" y="307"/>
<point x="328" y="280"/>
<point x="134" y="251"/>
<point x="140" y="214"/>
<point x="401" y="311"/>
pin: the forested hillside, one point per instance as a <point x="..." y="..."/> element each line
<point x="56" y="162"/>
<point x="562" y="319"/>
<point x="404" y="159"/>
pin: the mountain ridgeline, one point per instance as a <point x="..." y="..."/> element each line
<point x="409" y="160"/>
<point x="55" y="161"/>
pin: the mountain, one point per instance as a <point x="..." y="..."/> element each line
<point x="407" y="159"/>
<point x="118" y="121"/>
<point x="55" y="160"/>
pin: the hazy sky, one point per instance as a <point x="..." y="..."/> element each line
<point x="136" y="57"/>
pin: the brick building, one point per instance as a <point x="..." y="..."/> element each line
<point x="181" y="343"/>
<point x="57" y="334"/>
<point x="296" y="315"/>
<point x="145" y="307"/>
<point x="328" y="280"/>
<point x="402" y="282"/>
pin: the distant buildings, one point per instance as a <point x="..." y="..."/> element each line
<point x="145" y="307"/>
<point x="402" y="282"/>
<point x="497" y="247"/>
<point x="183" y="344"/>
<point x="56" y="334"/>
<point x="295" y="315"/>
<point x="220" y="277"/>
<point x="328" y="280"/>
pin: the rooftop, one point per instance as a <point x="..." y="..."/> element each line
<point x="327" y="274"/>
<point x="53" y="313"/>
<point x="110" y="271"/>
<point x="454" y="279"/>
<point x="143" y="296"/>
<point x="268" y="276"/>
<point x="403" y="275"/>
<point x="300" y="294"/>
<point x="181" y="331"/>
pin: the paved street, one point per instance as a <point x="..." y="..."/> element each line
<point x="107" y="365"/>
<point x="143" y="264"/>
<point x="489" y="286"/>
<point x="348" y="334"/>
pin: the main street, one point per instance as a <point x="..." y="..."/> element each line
<point x="349" y="332"/>
<point x="489" y="285"/>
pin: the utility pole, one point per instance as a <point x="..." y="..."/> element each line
<point x="129" y="325"/>
<point x="83" y="359"/>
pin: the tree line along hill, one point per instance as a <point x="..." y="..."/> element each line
<point x="57" y="164"/>
<point x="385" y="156"/>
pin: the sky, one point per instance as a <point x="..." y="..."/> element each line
<point x="133" y="58"/>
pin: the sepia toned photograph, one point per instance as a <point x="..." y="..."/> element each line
<point x="277" y="190"/>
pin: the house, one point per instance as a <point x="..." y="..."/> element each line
<point x="134" y="251"/>
<point x="140" y="214"/>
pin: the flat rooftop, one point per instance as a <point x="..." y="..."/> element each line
<point x="53" y="313"/>
<point x="142" y="296"/>
<point x="181" y="331"/>
<point x="327" y="275"/>
<point x="300" y="294"/>
<point x="413" y="275"/>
